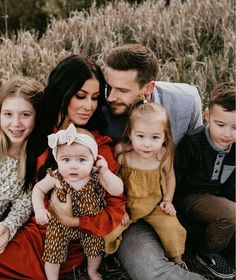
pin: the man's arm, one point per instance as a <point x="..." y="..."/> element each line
<point x="196" y="117"/>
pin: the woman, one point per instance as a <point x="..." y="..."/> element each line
<point x="75" y="93"/>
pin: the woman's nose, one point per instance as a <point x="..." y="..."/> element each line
<point x="88" y="104"/>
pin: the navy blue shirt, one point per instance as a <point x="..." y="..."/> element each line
<point x="201" y="167"/>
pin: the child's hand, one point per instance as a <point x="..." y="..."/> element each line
<point x="125" y="219"/>
<point x="4" y="237"/>
<point x="167" y="207"/>
<point x="101" y="164"/>
<point x="42" y="216"/>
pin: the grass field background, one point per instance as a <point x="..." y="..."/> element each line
<point x="194" y="41"/>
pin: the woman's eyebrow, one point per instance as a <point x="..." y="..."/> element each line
<point x="85" y="91"/>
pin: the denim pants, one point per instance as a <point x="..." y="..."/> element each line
<point x="217" y="213"/>
<point x="142" y="255"/>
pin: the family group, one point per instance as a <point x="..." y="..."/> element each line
<point x="96" y="163"/>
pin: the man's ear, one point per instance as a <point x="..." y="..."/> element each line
<point x="149" y="88"/>
<point x="206" y="114"/>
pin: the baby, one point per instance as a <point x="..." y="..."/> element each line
<point x="75" y="154"/>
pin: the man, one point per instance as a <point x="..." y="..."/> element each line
<point x="131" y="71"/>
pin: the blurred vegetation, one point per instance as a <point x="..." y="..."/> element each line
<point x="194" y="41"/>
<point x="28" y="14"/>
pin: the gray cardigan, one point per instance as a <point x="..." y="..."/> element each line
<point x="183" y="104"/>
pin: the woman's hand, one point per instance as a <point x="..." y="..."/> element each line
<point x="63" y="210"/>
<point x="167" y="207"/>
<point x="4" y="237"/>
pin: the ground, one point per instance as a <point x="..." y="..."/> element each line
<point x="111" y="269"/>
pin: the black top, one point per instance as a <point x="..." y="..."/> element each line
<point x="201" y="167"/>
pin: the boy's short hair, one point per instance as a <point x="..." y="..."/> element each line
<point x="134" y="57"/>
<point x="224" y="95"/>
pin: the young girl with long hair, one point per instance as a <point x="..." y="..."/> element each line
<point x="146" y="167"/>
<point x="19" y="100"/>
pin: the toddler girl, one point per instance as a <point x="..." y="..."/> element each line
<point x="146" y="167"/>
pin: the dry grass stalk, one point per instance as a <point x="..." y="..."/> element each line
<point x="194" y="41"/>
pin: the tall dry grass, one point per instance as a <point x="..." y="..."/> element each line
<point x="194" y="41"/>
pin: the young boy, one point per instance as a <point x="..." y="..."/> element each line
<point x="205" y="170"/>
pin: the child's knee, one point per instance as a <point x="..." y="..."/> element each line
<point x="176" y="229"/>
<point x="228" y="214"/>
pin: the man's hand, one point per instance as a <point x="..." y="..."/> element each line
<point x="4" y="237"/>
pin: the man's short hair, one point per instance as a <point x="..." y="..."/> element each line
<point x="134" y="57"/>
<point x="224" y="95"/>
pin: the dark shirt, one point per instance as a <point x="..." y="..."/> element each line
<point x="201" y="167"/>
<point x="115" y="124"/>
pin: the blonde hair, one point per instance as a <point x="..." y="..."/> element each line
<point x="29" y="90"/>
<point x="141" y="109"/>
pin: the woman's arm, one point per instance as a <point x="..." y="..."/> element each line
<point x="113" y="213"/>
<point x="63" y="210"/>
<point x="99" y="225"/>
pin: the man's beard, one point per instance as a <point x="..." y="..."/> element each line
<point x="116" y="110"/>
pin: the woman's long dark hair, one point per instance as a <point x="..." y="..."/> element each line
<point x="65" y="80"/>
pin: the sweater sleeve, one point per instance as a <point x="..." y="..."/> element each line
<point x="20" y="212"/>
<point x="108" y="219"/>
<point x="183" y="158"/>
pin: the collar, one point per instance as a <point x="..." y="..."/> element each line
<point x="217" y="149"/>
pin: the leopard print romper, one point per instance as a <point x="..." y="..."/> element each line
<point x="89" y="201"/>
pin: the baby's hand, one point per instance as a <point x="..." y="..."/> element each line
<point x="167" y="207"/>
<point x="101" y="164"/>
<point x="42" y="216"/>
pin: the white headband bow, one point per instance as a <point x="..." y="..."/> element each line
<point x="70" y="135"/>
